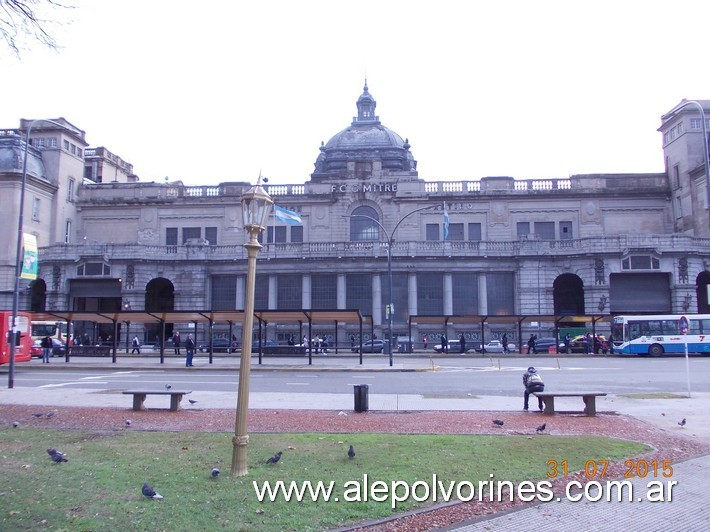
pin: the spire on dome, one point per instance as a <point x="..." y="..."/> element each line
<point x="366" y="108"/>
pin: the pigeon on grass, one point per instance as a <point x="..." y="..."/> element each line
<point x="274" y="458"/>
<point x="149" y="492"/>
<point x="351" y="452"/>
<point x="215" y="472"/>
<point x="127" y="423"/>
<point x="57" y="456"/>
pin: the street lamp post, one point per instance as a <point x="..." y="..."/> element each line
<point x="390" y="241"/>
<point x="18" y="254"/>
<point x="256" y="205"/>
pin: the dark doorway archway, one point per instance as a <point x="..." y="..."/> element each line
<point x="702" y="281"/>
<point x="38" y="296"/>
<point x="159" y="297"/>
<point x="568" y="295"/>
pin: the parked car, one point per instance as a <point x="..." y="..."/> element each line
<point x="454" y="346"/>
<point x="577" y="345"/>
<point x="542" y="345"/>
<point x="219" y="345"/>
<point x="58" y="348"/>
<point x="495" y="346"/>
<point x="373" y="346"/>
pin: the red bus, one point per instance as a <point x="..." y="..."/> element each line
<point x="22" y="350"/>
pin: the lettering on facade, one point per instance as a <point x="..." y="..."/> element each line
<point x="366" y="187"/>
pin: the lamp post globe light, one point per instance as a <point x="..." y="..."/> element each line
<point x="18" y="254"/>
<point x="256" y="206"/>
<point x="390" y="242"/>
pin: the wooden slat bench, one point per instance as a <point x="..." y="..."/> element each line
<point x="140" y="395"/>
<point x="589" y="398"/>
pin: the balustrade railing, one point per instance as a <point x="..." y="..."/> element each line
<point x="412" y="249"/>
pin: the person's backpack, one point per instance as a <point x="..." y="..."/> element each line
<point x="135" y="342"/>
<point x="534" y="378"/>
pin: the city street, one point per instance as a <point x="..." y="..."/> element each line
<point x="452" y="377"/>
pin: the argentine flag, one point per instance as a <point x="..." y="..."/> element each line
<point x="286" y="216"/>
<point x="446" y="222"/>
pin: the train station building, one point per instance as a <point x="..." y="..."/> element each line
<point x="493" y="246"/>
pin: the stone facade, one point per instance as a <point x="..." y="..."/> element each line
<point x="586" y="244"/>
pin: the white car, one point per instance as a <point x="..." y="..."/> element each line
<point x="495" y="346"/>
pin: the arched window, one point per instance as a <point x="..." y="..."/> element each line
<point x="364" y="228"/>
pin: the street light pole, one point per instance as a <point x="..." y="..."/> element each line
<point x="390" y="241"/>
<point x="256" y="205"/>
<point x="18" y="254"/>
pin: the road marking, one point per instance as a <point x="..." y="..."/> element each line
<point x="69" y="384"/>
<point x="299" y="383"/>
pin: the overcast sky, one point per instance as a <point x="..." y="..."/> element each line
<point x="215" y="91"/>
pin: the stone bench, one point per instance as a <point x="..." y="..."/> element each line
<point x="139" y="397"/>
<point x="589" y="398"/>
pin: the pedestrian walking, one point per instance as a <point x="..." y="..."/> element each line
<point x="136" y="345"/>
<point x="426" y="341"/>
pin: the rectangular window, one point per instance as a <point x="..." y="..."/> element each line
<point x="78" y="152"/>
<point x="67" y="233"/>
<point x="500" y="292"/>
<point x="456" y="232"/>
<point x="224" y="292"/>
<point x="70" y="190"/>
<point x="465" y="293"/>
<point x="566" y="231"/>
<point x="171" y="236"/>
<point x="66" y="145"/>
<point x="678" y="207"/>
<point x="324" y="291"/>
<point x="37" y="143"/>
<point x="296" y="233"/>
<point x="676" y="176"/>
<point x="191" y="233"/>
<point x="432" y="232"/>
<point x="474" y="232"/>
<point x="430" y="293"/>
<point x="51" y="142"/>
<point x="545" y="230"/>
<point x="696" y="123"/>
<point x="289" y="293"/>
<point x="523" y="229"/>
<point x="35" y="209"/>
<point x="211" y="235"/>
<point x="359" y="292"/>
<point x="261" y="293"/>
<point x="280" y="234"/>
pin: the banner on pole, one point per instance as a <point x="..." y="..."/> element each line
<point x="29" y="257"/>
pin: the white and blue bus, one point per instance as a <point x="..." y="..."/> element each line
<point x="660" y="334"/>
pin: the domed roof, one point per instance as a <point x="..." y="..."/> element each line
<point x="365" y="139"/>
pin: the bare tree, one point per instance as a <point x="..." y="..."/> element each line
<point x="22" y="20"/>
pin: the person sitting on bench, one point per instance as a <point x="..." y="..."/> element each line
<point x="533" y="384"/>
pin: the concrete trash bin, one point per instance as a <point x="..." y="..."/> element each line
<point x="361" y="397"/>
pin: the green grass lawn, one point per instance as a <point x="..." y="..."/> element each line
<point x="99" y="488"/>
